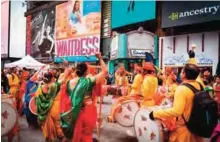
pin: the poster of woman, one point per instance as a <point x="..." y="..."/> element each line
<point x="42" y="35"/>
<point x="78" y="18"/>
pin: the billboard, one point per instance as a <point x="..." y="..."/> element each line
<point x="130" y="12"/>
<point x="77" y="27"/>
<point x="114" y="47"/>
<point x="139" y="43"/>
<point x="174" y="49"/>
<point x="175" y="14"/>
<point x="17" y="29"/>
<point x="40" y="35"/>
<point x="4" y="28"/>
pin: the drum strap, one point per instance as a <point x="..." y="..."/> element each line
<point x="32" y="87"/>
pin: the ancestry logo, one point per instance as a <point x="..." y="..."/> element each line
<point x="205" y="10"/>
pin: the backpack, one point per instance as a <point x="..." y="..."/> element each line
<point x="204" y="115"/>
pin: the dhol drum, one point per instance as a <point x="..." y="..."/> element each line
<point x="9" y="117"/>
<point x="32" y="106"/>
<point x="125" y="111"/>
<point x="166" y="103"/>
<point x="114" y="90"/>
<point x="9" y="99"/>
<point x="146" y="129"/>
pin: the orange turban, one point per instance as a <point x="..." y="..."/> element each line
<point x="52" y="72"/>
<point x="148" y="66"/>
<point x="168" y="70"/>
<point x="122" y="70"/>
<point x="137" y="68"/>
<point x="173" y="77"/>
<point x="206" y="73"/>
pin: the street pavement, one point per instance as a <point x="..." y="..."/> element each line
<point x="110" y="132"/>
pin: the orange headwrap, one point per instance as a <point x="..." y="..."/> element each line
<point x="148" y="66"/>
<point x="122" y="70"/>
<point x="52" y="72"/>
<point x="206" y="73"/>
<point x="137" y="68"/>
<point x="168" y="70"/>
<point x="173" y="77"/>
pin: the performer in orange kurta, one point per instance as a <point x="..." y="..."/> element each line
<point x="149" y="85"/>
<point x="169" y="76"/>
<point x="120" y="77"/>
<point x="138" y="80"/>
<point x="136" y="85"/>
<point x="171" y="83"/>
<point x="122" y="83"/>
<point x="183" y="102"/>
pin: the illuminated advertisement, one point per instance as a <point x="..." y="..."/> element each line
<point x="4" y="28"/>
<point x="17" y="29"/>
<point x="40" y="35"/>
<point x="77" y="29"/>
<point x="131" y="11"/>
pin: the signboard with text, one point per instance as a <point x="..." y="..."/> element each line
<point x="114" y="48"/>
<point x="17" y="29"/>
<point x="4" y="28"/>
<point x="178" y="13"/>
<point x="139" y="52"/>
<point x="139" y="43"/>
<point x="206" y="52"/>
<point x="77" y="27"/>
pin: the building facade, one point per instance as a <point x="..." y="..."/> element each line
<point x="196" y="23"/>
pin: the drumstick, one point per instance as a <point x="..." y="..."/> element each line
<point x="51" y="63"/>
<point x="100" y="115"/>
<point x="93" y="66"/>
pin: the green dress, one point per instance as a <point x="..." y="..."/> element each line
<point x="210" y="90"/>
<point x="45" y="101"/>
<point x="77" y="95"/>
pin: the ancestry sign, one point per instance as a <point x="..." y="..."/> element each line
<point x="189" y="12"/>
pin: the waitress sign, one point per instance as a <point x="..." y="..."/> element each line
<point x="78" y="28"/>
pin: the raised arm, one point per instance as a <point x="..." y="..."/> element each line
<point x="34" y="77"/>
<point x="42" y="30"/>
<point x="116" y="73"/>
<point x="52" y="44"/>
<point x="101" y="76"/>
<point x="38" y="34"/>
<point x="129" y="73"/>
<point x="67" y="72"/>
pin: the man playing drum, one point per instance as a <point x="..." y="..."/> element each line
<point x="150" y="84"/>
<point x="138" y="80"/>
<point x="183" y="101"/>
<point x="122" y="83"/>
<point x="120" y="77"/>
